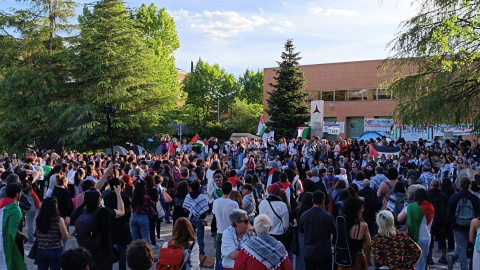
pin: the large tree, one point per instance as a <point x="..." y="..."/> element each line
<point x="243" y="116"/>
<point x="252" y="86"/>
<point x="33" y="70"/>
<point x="435" y="59"/>
<point x="286" y="104"/>
<point x="113" y="64"/>
<point x="209" y="88"/>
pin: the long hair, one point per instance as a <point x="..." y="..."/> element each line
<point x="47" y="211"/>
<point x="351" y="209"/>
<point x="215" y="166"/>
<point x="182" y="189"/>
<point x="305" y="204"/>
<point x="386" y="223"/>
<point x="139" y="193"/>
<point x="77" y="177"/>
<point x="421" y="195"/>
<point x="182" y="232"/>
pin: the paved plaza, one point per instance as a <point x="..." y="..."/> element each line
<point x="209" y="249"/>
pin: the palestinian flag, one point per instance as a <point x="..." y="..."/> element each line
<point x="419" y="217"/>
<point x="196" y="142"/>
<point x="261" y="128"/>
<point x="10" y="215"/>
<point x="378" y="151"/>
<point x="301" y="132"/>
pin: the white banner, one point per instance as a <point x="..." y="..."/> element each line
<point x="329" y="124"/>
<point x="412" y="133"/>
<point x="378" y="125"/>
<point x="333" y="130"/>
<point x="316" y="118"/>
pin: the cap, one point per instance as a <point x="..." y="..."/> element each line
<point x="275" y="189"/>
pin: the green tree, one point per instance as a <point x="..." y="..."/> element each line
<point x="243" y="116"/>
<point x="33" y="70"/>
<point x="286" y="104"/>
<point x="435" y="60"/>
<point x="112" y="65"/>
<point x="252" y="86"/>
<point x="209" y="88"/>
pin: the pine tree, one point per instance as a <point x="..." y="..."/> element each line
<point x="286" y="104"/>
<point x="112" y="65"/>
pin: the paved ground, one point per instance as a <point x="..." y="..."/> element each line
<point x="209" y="249"/>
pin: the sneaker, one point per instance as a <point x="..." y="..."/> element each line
<point x="155" y="246"/>
<point x="168" y="222"/>
<point x="160" y="239"/>
<point x="451" y="261"/>
<point x="443" y="261"/>
<point x="430" y="262"/>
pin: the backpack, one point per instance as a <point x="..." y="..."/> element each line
<point x="464" y="212"/>
<point x="330" y="184"/>
<point x="343" y="255"/>
<point x="171" y="257"/>
<point x="370" y="201"/>
<point x="86" y="230"/>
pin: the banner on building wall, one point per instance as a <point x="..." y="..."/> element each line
<point x="333" y="130"/>
<point x="316" y="118"/>
<point x="414" y="133"/>
<point x="378" y="125"/>
<point x="331" y="124"/>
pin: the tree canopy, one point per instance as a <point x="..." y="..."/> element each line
<point x="252" y="86"/>
<point x="435" y="59"/>
<point x="286" y="104"/>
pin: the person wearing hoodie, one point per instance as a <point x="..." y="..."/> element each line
<point x="196" y="206"/>
<point x="426" y="177"/>
<point x="378" y="179"/>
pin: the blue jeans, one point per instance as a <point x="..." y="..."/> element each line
<point x="139" y="226"/>
<point x="49" y="258"/>
<point x="241" y="156"/>
<point x="122" y="262"/>
<point x="460" y="252"/>
<point x="300" y="261"/>
<point x="198" y="226"/>
<point x="30" y="220"/>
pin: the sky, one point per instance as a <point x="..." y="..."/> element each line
<point x="241" y="34"/>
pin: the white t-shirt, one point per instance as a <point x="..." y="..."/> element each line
<point x="221" y="209"/>
<point x="71" y="176"/>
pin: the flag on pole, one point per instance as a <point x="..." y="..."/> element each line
<point x="378" y="151"/>
<point x="261" y="128"/>
<point x="196" y="142"/>
<point x="301" y="132"/>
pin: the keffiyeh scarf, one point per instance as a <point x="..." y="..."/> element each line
<point x="266" y="250"/>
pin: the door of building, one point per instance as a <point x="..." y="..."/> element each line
<point x="355" y="127"/>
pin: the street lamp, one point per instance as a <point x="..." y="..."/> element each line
<point x="109" y="109"/>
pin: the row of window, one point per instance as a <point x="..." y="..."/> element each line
<point x="350" y="95"/>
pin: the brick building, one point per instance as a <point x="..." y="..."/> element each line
<point x="350" y="90"/>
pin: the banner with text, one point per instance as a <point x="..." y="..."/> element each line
<point x="331" y="124"/>
<point x="378" y="125"/>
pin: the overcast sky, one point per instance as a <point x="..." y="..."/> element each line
<point x="241" y="34"/>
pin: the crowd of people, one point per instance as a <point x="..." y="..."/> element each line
<point x="283" y="204"/>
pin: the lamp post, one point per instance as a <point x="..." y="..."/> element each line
<point x="109" y="109"/>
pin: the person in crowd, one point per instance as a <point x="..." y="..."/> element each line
<point x="383" y="192"/>
<point x="152" y="191"/>
<point x="305" y="204"/>
<point x="184" y="236"/>
<point x="12" y="216"/>
<point x="28" y="181"/>
<point x="318" y="227"/>
<point x="75" y="259"/>
<point x="140" y="255"/>
<point x="358" y="233"/>
<point x="460" y="222"/>
<point x="474" y="226"/>
<point x="178" y="200"/>
<point x="439" y="226"/>
<point x="378" y="179"/>
<point x="120" y="232"/>
<point x="139" y="223"/>
<point x="57" y="170"/>
<point x="359" y="177"/>
<point x="277" y="211"/>
<point x="262" y="251"/>
<point x="222" y="207"/>
<point x="65" y="203"/>
<point x="234" y="236"/>
<point x="78" y="180"/>
<point x="209" y="175"/>
<point x="371" y="205"/>
<point x="196" y="206"/>
<point x="419" y="217"/>
<point x="237" y="196"/>
<point x="426" y="177"/>
<point x="51" y="229"/>
<point x="393" y="249"/>
<point x="249" y="203"/>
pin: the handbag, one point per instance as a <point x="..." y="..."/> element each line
<point x="35" y="199"/>
<point x="33" y="251"/>
<point x="167" y="197"/>
<point x="160" y="211"/>
<point x="207" y="262"/>
<point x="151" y="213"/>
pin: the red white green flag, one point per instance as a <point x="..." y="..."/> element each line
<point x="378" y="151"/>
<point x="301" y="132"/>
<point x="261" y="128"/>
<point x="196" y="142"/>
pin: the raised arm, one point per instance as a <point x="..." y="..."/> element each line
<point x="103" y="179"/>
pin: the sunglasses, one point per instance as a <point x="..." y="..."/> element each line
<point x="244" y="221"/>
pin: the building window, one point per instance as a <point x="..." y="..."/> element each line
<point x="368" y="94"/>
<point x="383" y="94"/>
<point x="340" y="95"/>
<point x="327" y="95"/>
<point x="355" y="95"/>
<point x="314" y="96"/>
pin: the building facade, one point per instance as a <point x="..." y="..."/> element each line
<point x="350" y="90"/>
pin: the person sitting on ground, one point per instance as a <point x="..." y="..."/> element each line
<point x="262" y="251"/>
<point x="139" y="255"/>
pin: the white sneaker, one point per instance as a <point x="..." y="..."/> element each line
<point x="161" y="239"/>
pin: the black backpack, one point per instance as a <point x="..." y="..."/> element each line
<point x="87" y="235"/>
